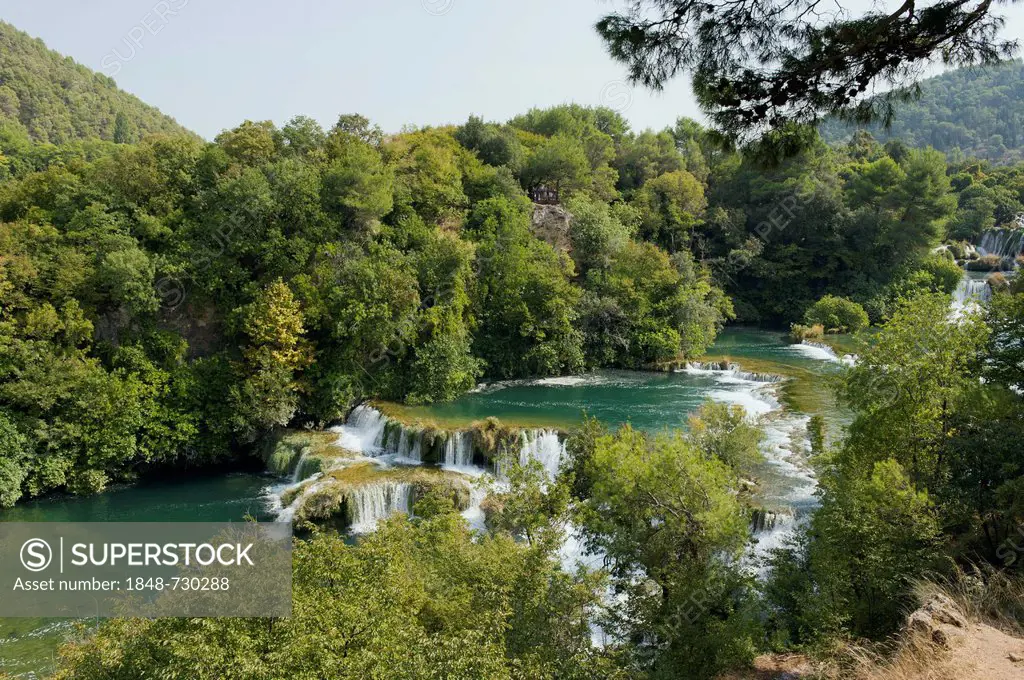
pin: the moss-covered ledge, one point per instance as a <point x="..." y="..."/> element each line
<point x="333" y="496"/>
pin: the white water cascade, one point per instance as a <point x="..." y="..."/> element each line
<point x="543" y="446"/>
<point x="458" y="450"/>
<point x="369" y="504"/>
<point x="971" y="292"/>
<point x="1002" y="242"/>
<point x="409" y="448"/>
<point x="363" y="432"/>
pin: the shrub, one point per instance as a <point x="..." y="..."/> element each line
<point x="957" y="250"/>
<point x="945" y="273"/>
<point x="986" y="263"/>
<point x="999" y="283"/>
<point x="799" y="333"/>
<point x="837" y="315"/>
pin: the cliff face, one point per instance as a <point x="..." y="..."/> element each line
<point x="552" y="223"/>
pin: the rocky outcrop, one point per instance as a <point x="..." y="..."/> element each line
<point x="939" y="620"/>
<point x="552" y="224"/>
<point x="358" y="495"/>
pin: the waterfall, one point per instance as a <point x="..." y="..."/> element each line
<point x="972" y="291"/>
<point x="297" y="472"/>
<point x="369" y="504"/>
<point x="543" y="446"/>
<point x="458" y="450"/>
<point x="1002" y="242"/>
<point x="732" y="370"/>
<point x="409" y="446"/>
<point x="363" y="432"/>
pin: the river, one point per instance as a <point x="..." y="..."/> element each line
<point x="649" y="401"/>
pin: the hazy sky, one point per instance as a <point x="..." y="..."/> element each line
<point x="214" y="63"/>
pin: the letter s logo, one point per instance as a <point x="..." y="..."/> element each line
<point x="36" y="554"/>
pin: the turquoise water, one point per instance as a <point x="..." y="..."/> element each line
<point x="27" y="646"/>
<point x="213" y="499"/>
<point x="651" y="401"/>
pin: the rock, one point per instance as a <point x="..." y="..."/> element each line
<point x="1015" y="657"/>
<point x="551" y="223"/>
<point x="938" y="620"/>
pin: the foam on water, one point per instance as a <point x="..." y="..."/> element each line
<point x="817" y="351"/>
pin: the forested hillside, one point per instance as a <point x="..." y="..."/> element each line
<point x="968" y="113"/>
<point x="57" y="100"/>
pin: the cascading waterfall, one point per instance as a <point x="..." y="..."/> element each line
<point x="1002" y="242"/>
<point x="732" y="369"/>
<point x="972" y="291"/>
<point x="297" y="473"/>
<point x="543" y="446"/>
<point x="369" y="504"/>
<point x="363" y="432"/>
<point x="458" y="450"/>
<point x="409" y="447"/>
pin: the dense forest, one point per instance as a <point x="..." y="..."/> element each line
<point x="965" y="113"/>
<point x="56" y="100"/>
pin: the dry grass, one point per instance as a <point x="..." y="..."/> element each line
<point x="993" y="605"/>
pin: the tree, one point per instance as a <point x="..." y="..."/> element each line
<point x="14" y="449"/>
<point x="525" y="302"/>
<point x="671" y="206"/>
<point x="418" y="598"/>
<point x="560" y="162"/>
<point x="596" y="235"/>
<point x="724" y="432"/>
<point x="906" y="387"/>
<point x="275" y="352"/>
<point x="250" y="143"/>
<point x="872" y="538"/>
<point x="124" y="129"/>
<point x="765" y="65"/>
<point x="837" y="315"/>
<point x="358" y="185"/>
<point x="665" y="515"/>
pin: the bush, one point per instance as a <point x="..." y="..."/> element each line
<point x="999" y="283"/>
<point x="837" y="315"/>
<point x="957" y="250"/>
<point x="944" y="272"/>
<point x="986" y="263"/>
<point x="799" y="333"/>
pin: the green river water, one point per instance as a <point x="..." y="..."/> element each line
<point x="649" y="401"/>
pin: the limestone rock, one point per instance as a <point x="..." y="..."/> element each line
<point x="552" y="223"/>
<point x="938" y="620"/>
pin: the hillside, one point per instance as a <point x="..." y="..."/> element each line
<point x="979" y="111"/>
<point x="57" y="100"/>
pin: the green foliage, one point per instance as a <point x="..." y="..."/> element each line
<point x="55" y="100"/>
<point x="837" y="315"/>
<point x="970" y="112"/>
<point x="14" y="448"/>
<point x="525" y="303"/>
<point x="799" y="333"/>
<point x="415" y="599"/>
<point x="906" y="385"/>
<point x="925" y="477"/>
<point x="726" y="433"/>
<point x="666" y="515"/>
<point x="768" y="73"/>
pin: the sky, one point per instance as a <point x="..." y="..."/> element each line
<point x="213" y="63"/>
